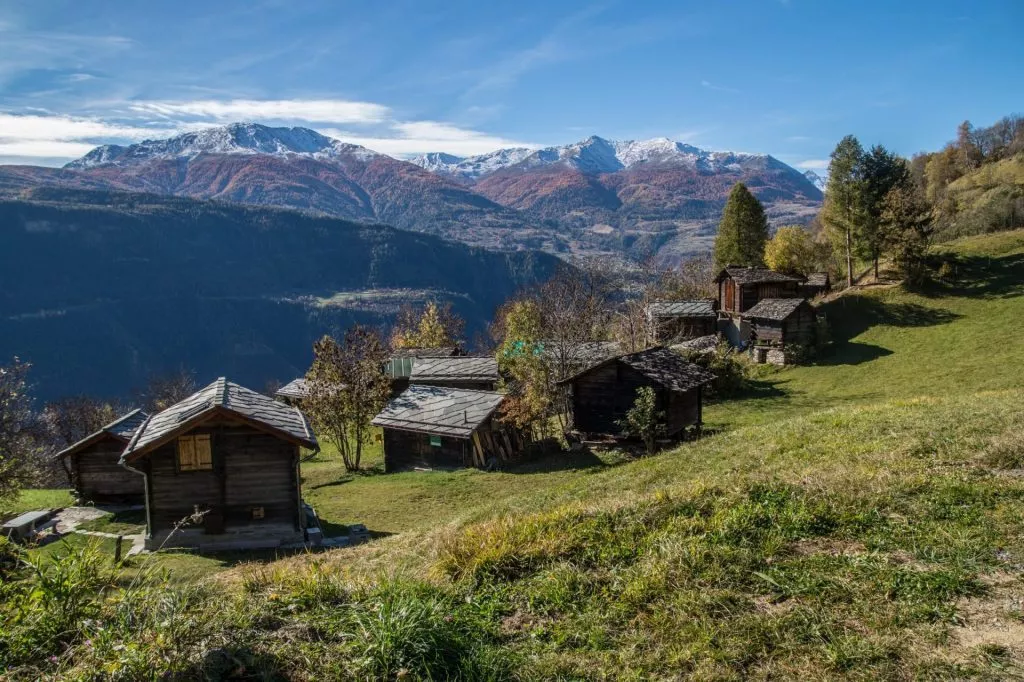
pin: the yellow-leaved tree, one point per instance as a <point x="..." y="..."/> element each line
<point x="791" y="251"/>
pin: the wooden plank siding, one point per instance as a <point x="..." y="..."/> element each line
<point x="680" y="328"/>
<point x="251" y="470"/>
<point x="799" y="328"/>
<point x="602" y="397"/>
<point x="98" y="477"/>
<point x="739" y="298"/>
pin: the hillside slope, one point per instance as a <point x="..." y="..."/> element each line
<point x="102" y="292"/>
<point x="854" y="528"/>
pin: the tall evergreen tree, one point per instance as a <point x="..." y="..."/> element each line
<point x="743" y="232"/>
<point x="882" y="171"/>
<point x="843" y="198"/>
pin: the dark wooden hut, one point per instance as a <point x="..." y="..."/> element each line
<point x="230" y="456"/>
<point x="474" y="373"/>
<point x="93" y="464"/>
<point x="399" y="366"/>
<point x="441" y="427"/>
<point x="601" y="395"/>
<point x="674" y="321"/>
<point x="740" y="288"/>
<point x="817" y="283"/>
<point x="293" y="393"/>
<point x="778" y="323"/>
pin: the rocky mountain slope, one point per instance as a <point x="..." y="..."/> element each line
<point x="100" y="289"/>
<point x="636" y="198"/>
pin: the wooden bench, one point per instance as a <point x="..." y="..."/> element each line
<point x="28" y="525"/>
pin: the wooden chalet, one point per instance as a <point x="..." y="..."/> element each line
<point x="817" y="283"/>
<point x="399" y="366"/>
<point x="294" y="392"/>
<point x="229" y="458"/>
<point x="441" y="427"/>
<point x="740" y="288"/>
<point x="601" y="395"/>
<point x="778" y="323"/>
<point x="475" y="373"/>
<point x="93" y="464"/>
<point x="674" y="321"/>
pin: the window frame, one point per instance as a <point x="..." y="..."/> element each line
<point x="195" y="462"/>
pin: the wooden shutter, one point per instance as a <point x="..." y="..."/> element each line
<point x="186" y="453"/>
<point x="204" y="455"/>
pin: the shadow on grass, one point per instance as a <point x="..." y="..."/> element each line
<point x="975" y="277"/>
<point x="558" y="460"/>
<point x="851" y="316"/>
<point x="235" y="663"/>
<point x="350" y="476"/>
<point x="852" y="353"/>
<point x="338" y="530"/>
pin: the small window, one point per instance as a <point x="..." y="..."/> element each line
<point x="194" y="453"/>
<point x="257" y="512"/>
<point x="435" y="441"/>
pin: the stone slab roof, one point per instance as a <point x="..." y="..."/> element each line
<point x="817" y="279"/>
<point x="439" y="411"/>
<point x="441" y="352"/>
<point x="661" y="365"/>
<point x="775" y="309"/>
<point x="747" y="275"/>
<point x="691" y="308"/>
<point x="225" y="396"/>
<point x="295" y="389"/>
<point x="122" y="428"/>
<point x="455" y="369"/>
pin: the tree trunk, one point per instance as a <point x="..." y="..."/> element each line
<point x="849" y="260"/>
<point x="876" y="267"/>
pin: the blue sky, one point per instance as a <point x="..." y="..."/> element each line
<point x="785" y="77"/>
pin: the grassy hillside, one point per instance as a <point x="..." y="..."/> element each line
<point x="855" y="519"/>
<point x="987" y="199"/>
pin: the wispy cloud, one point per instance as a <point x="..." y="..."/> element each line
<point x="813" y="164"/>
<point x="313" y="110"/>
<point x="720" y="88"/>
<point x="36" y="136"/>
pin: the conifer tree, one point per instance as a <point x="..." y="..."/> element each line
<point x="882" y="172"/>
<point x="743" y="231"/>
<point x="843" y="198"/>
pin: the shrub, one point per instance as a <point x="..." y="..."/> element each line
<point x="644" y="420"/>
<point x="730" y="368"/>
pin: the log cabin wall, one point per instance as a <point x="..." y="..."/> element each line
<point x="410" y="449"/>
<point x="603" y="396"/>
<point x="100" y="479"/>
<point x="750" y="294"/>
<point x="670" y="328"/>
<point x="798" y="328"/>
<point x="253" y="486"/>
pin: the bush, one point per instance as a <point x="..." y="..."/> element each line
<point x="731" y="369"/>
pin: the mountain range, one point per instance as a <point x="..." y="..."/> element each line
<point x="596" y="196"/>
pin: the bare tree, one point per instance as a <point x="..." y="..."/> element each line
<point x="19" y="443"/>
<point x="71" y="419"/>
<point x="346" y="388"/>
<point x="164" y="390"/>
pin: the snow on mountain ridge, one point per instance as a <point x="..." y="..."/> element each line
<point x="236" y="138"/>
<point x="592" y="155"/>
<point x="816" y="180"/>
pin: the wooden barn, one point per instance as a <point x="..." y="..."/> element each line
<point x="674" y="321"/>
<point x="474" y="373"/>
<point x="776" y="323"/>
<point x="293" y="393"/>
<point x="93" y="464"/>
<point x="441" y="427"/>
<point x="399" y="366"/>
<point x="740" y="288"/>
<point x="230" y="456"/>
<point x="601" y="395"/>
<point x="816" y="283"/>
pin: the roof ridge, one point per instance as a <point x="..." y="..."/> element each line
<point x="120" y="419"/>
<point x="454" y="388"/>
<point x="135" y="439"/>
<point x="221" y="392"/>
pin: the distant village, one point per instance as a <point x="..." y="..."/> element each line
<point x="221" y="468"/>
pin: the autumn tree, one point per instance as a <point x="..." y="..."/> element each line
<point x="347" y="388"/>
<point x="843" y="205"/>
<point x="19" y="446"/>
<point x="791" y="251"/>
<point x="432" y="326"/>
<point x="743" y="230"/>
<point x="71" y="419"/>
<point x="524" y="368"/>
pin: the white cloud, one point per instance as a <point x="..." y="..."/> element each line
<point x="814" y="164"/>
<point x="44" y="149"/>
<point x="719" y="88"/>
<point x="49" y="137"/>
<point x="420" y="137"/>
<point x="313" y="110"/>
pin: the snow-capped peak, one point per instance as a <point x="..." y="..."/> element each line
<point x="816" y="180"/>
<point x="236" y="138"/>
<point x="593" y="155"/>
